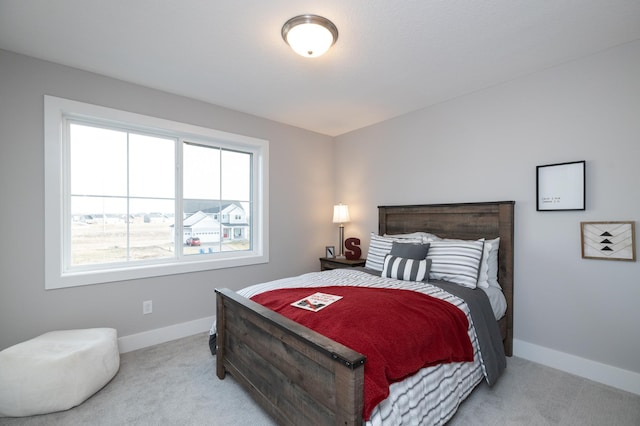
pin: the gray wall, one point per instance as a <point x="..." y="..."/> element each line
<point x="300" y="207"/>
<point x="485" y="147"/>
<point x="479" y="147"/>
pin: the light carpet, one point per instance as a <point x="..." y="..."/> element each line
<point x="175" y="384"/>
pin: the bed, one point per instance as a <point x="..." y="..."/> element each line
<point x="302" y="377"/>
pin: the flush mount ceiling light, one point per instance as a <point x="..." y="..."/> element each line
<point x="309" y="35"/>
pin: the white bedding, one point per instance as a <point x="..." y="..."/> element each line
<point x="497" y="300"/>
<point x="432" y="395"/>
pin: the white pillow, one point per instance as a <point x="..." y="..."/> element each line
<point x="493" y="264"/>
<point x="456" y="261"/>
<point x="379" y="247"/>
<point x="489" y="264"/>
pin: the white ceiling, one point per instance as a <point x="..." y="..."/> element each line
<point x="391" y="57"/>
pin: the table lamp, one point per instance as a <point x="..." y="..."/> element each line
<point x="341" y="216"/>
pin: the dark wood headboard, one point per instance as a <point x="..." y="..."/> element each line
<point x="464" y="221"/>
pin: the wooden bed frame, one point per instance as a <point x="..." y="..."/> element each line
<point x="301" y="377"/>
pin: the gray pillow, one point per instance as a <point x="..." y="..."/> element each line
<point x="410" y="250"/>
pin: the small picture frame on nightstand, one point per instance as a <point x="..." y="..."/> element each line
<point x="330" y="252"/>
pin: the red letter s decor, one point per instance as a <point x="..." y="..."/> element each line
<point x="351" y="249"/>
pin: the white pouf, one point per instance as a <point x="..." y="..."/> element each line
<point x="56" y="371"/>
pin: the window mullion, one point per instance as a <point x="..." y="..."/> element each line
<point x="65" y="220"/>
<point x="178" y="222"/>
<point x="127" y="224"/>
<point x="221" y="225"/>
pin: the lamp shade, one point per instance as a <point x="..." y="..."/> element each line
<point x="309" y="35"/>
<point x="341" y="213"/>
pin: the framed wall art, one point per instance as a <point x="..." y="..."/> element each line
<point x="608" y="240"/>
<point x="561" y="186"/>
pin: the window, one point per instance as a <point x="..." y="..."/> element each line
<point x="130" y="196"/>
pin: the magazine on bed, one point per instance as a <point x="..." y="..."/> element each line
<point x="316" y="301"/>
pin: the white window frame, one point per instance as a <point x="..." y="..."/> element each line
<point x="58" y="110"/>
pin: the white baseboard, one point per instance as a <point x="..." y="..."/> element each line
<point x="602" y="373"/>
<point x="164" y="334"/>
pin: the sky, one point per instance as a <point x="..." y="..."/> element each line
<point x="107" y="165"/>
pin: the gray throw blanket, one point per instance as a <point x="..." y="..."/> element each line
<point x="487" y="329"/>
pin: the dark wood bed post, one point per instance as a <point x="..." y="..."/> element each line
<point x="297" y="375"/>
<point x="505" y="271"/>
<point x="221" y="331"/>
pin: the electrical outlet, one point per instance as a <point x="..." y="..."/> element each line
<point x="147" y="307"/>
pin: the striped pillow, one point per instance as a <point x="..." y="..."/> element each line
<point x="400" y="268"/>
<point x="380" y="246"/>
<point x="456" y="261"/>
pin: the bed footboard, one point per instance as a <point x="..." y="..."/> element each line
<point x="297" y="375"/>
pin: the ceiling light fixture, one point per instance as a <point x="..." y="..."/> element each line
<point x="309" y="35"/>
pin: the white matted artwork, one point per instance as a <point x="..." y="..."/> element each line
<point x="561" y="186"/>
<point x="608" y="240"/>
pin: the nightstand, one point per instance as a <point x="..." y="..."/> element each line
<point x="327" y="263"/>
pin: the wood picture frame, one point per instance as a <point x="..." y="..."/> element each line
<point x="608" y="240"/>
<point x="330" y="252"/>
<point x="561" y="186"/>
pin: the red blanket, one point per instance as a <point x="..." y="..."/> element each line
<point x="399" y="331"/>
